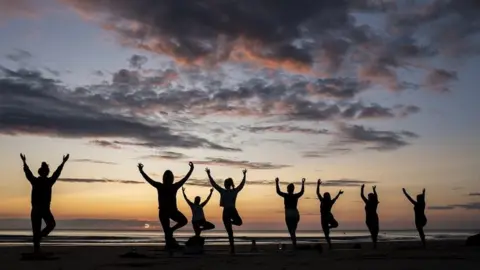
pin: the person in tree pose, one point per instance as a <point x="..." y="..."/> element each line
<point x="290" y="201"/>
<point x="419" y="209"/>
<point x="228" y="198"/>
<point x="371" y="213"/>
<point x="198" y="217"/>
<point x="167" y="203"/>
<point x="327" y="219"/>
<point x="41" y="199"/>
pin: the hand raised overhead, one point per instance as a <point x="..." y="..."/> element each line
<point x="374" y="187"/>
<point x="65" y="158"/>
<point x="140" y="166"/>
<point x="211" y="190"/>
<point x="183" y="189"/>
<point x="190" y="164"/>
<point x="340" y="192"/>
<point x="207" y="170"/>
<point x="22" y="156"/>
<point x="277" y="180"/>
<point x="244" y="171"/>
<point x="319" y="182"/>
<point x="303" y="180"/>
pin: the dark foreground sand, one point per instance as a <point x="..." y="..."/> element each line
<point x="449" y="255"/>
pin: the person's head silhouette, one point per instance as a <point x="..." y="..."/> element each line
<point x="168" y="177"/>
<point x="44" y="170"/>
<point x="290" y="188"/>
<point x="197" y="200"/>
<point x="372" y="197"/>
<point x="326" y="196"/>
<point x="228" y="183"/>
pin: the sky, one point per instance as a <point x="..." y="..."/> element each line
<point x="350" y="91"/>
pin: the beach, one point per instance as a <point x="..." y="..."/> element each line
<point x="440" y="254"/>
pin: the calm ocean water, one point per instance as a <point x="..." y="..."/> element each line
<point x="146" y="238"/>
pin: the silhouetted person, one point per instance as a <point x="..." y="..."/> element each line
<point x="228" y="198"/>
<point x="41" y="199"/>
<point x="420" y="218"/>
<point x="198" y="217"/>
<point x="327" y="219"/>
<point x="371" y="216"/>
<point x="290" y="201"/>
<point x="167" y="203"/>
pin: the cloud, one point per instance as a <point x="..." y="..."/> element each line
<point x="86" y="160"/>
<point x="18" y="55"/>
<point x="35" y="105"/>
<point x="373" y="139"/>
<point x="438" y="79"/>
<point x="474" y="194"/>
<point x="137" y="61"/>
<point x="103" y="181"/>
<point x="285" y="129"/>
<point x="326" y="152"/>
<point x="18" y="8"/>
<point x="325" y="183"/>
<point x="167" y="155"/>
<point x="212" y="31"/>
<point x="240" y="164"/>
<point x="466" y="206"/>
<point x="103" y="143"/>
<point x="98" y="73"/>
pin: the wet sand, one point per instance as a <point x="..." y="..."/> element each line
<point x="393" y="255"/>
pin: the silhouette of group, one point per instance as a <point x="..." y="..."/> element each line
<point x="167" y="204"/>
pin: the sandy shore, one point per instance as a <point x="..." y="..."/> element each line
<point x="396" y="255"/>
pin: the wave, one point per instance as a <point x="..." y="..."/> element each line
<point x="215" y="237"/>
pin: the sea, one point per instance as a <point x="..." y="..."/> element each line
<point x="154" y="238"/>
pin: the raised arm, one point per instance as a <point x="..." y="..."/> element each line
<point x="212" y="182"/>
<point x="207" y="199"/>
<point x="362" y="194"/>
<point x="408" y="197"/>
<point x="319" y="182"/>
<point x="242" y="184"/>
<point x="277" y="186"/>
<point x="184" y="179"/>
<point x="185" y="196"/>
<point x="302" y="190"/>
<point x="146" y="177"/>
<point x="58" y="171"/>
<point x="26" y="169"/>
<point x="375" y="192"/>
<point x="340" y="192"/>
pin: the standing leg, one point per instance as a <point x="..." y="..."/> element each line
<point x="422" y="235"/>
<point x="326" y="230"/>
<point x="292" y="227"/>
<point x="49" y="221"/>
<point x="196" y="228"/>
<point x="227" y="221"/>
<point x="36" y="219"/>
<point x="165" y="222"/>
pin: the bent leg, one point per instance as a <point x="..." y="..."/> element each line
<point x="196" y="228"/>
<point x="208" y="226"/>
<point x="332" y="222"/>
<point x="49" y="221"/>
<point x="36" y="220"/>
<point x="235" y="218"/>
<point x="180" y="219"/>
